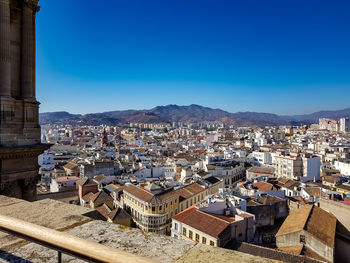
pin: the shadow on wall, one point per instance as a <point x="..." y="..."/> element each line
<point x="12" y="258"/>
<point x="342" y="243"/>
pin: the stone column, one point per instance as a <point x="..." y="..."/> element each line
<point x="28" y="50"/>
<point x="5" y="55"/>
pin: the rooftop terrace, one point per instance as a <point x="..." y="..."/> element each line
<point x="77" y="221"/>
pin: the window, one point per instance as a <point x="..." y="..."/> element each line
<point x="204" y="240"/>
<point x="197" y="237"/>
<point x="190" y="234"/>
<point x="212" y="243"/>
<point x="160" y="208"/>
<point x="302" y="239"/>
<point x="153" y="208"/>
<point x="175" y="225"/>
<point x="184" y="231"/>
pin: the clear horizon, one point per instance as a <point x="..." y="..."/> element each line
<point x="190" y="105"/>
<point x="286" y="58"/>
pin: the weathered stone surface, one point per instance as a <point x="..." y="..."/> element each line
<point x="19" y="110"/>
<point x="48" y="213"/>
<point x="203" y="254"/>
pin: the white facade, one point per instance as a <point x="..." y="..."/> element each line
<point x="343" y="167"/>
<point x="262" y="158"/>
<point x="46" y="161"/>
<point x="312" y="167"/>
<point x="344" y="124"/>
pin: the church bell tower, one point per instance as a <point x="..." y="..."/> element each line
<point x="19" y="120"/>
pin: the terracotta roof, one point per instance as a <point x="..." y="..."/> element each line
<point x="139" y="193"/>
<point x="104" y="210"/>
<point x="299" y="199"/>
<point x="184" y="192"/>
<point x="295" y="221"/>
<point x="228" y="219"/>
<point x="245" y="215"/>
<point x="296" y="250"/>
<point x="71" y="165"/>
<point x="331" y="179"/>
<point x="184" y="214"/>
<point x="314" y="191"/>
<point x="99" y="178"/>
<point x="264" y="199"/>
<point x="117" y="213"/>
<point x="312" y="254"/>
<point x="261" y="170"/>
<point x="101" y="196"/>
<point x="85" y="181"/>
<point x="322" y="225"/>
<point x="313" y="219"/>
<point x="263" y="186"/>
<point x="88" y="196"/>
<point x="204" y="222"/>
<point x="66" y="179"/>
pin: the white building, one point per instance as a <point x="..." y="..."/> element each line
<point x="46" y="161"/>
<point x="312" y="168"/>
<point x="344" y="124"/>
<point x="304" y="168"/>
<point x="343" y="167"/>
<point x="62" y="184"/>
<point x="262" y="158"/>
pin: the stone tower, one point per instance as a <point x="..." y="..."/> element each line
<point x="19" y="120"/>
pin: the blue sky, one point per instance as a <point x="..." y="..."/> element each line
<point x="284" y="57"/>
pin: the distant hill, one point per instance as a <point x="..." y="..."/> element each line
<point x="191" y="113"/>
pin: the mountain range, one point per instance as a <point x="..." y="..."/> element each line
<point x="191" y="113"/>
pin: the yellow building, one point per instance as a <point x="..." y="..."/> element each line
<point x="153" y="212"/>
<point x="209" y="229"/>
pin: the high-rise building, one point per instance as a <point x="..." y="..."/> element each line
<point x="20" y="142"/>
<point x="344" y="124"/>
<point x="328" y="124"/>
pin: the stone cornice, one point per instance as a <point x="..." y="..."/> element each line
<point x="34" y="4"/>
<point x="19" y="152"/>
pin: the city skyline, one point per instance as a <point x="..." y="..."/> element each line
<point x="284" y="58"/>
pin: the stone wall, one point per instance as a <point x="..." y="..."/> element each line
<point x="273" y="254"/>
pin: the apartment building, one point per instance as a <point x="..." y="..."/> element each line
<point x="214" y="222"/>
<point x="290" y="166"/>
<point x="153" y="212"/>
<point x="298" y="167"/>
<point x="230" y="174"/>
<point x="262" y="158"/>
